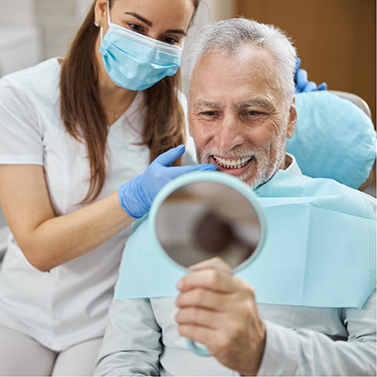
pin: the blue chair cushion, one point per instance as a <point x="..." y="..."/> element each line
<point x="333" y="139"/>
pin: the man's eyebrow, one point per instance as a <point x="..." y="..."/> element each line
<point x="142" y="19"/>
<point x="255" y="102"/>
<point x="202" y="103"/>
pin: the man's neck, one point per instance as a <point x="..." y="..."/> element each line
<point x="288" y="161"/>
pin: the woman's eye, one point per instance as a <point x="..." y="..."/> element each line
<point x="169" y="40"/>
<point x="136" y="28"/>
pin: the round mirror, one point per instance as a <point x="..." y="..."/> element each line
<point x="209" y="215"/>
<point x="200" y="216"/>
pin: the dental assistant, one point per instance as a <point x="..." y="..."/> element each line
<point x="77" y="137"/>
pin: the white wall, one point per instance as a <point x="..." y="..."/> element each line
<point x="17" y="13"/>
<point x="20" y="37"/>
<point x="81" y="9"/>
<point x="209" y="11"/>
<point x="222" y="9"/>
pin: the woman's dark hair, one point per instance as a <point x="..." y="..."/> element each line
<point x="84" y="116"/>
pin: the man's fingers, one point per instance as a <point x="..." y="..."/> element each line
<point x="211" y="278"/>
<point x="216" y="340"/>
<point x="199" y="316"/>
<point x="215" y="262"/>
<point x="202" y="298"/>
<point x="203" y="335"/>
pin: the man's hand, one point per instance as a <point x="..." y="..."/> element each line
<point x="219" y="311"/>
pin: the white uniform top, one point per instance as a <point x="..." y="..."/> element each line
<point x="68" y="304"/>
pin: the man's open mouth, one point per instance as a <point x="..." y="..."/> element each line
<point x="234" y="163"/>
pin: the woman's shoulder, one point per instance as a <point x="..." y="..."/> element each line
<point x="182" y="99"/>
<point x="39" y="79"/>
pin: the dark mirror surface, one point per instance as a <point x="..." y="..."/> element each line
<point x="203" y="220"/>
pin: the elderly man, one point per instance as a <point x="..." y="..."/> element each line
<point x="241" y="110"/>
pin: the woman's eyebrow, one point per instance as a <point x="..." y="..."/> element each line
<point x="142" y="19"/>
<point x="179" y="31"/>
<point x="150" y="24"/>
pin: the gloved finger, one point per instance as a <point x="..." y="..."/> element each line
<point x="298" y="63"/>
<point x="179" y="170"/>
<point x="210" y="167"/>
<point x="310" y="87"/>
<point x="302" y="78"/>
<point x="170" y="156"/>
<point x="322" y="86"/>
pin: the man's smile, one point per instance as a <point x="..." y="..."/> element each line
<point x="236" y="166"/>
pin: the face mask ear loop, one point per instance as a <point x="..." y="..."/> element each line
<point x="108" y="21"/>
<point x="108" y="13"/>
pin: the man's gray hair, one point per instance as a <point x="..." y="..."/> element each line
<point x="228" y="36"/>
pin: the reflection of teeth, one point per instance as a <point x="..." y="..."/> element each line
<point x="232" y="164"/>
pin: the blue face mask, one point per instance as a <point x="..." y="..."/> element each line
<point x="134" y="61"/>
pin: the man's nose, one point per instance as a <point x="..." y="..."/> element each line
<point x="229" y="132"/>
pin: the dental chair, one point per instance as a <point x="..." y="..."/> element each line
<point x="334" y="137"/>
<point x="358" y="101"/>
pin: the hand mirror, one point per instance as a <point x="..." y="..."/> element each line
<point x="202" y="215"/>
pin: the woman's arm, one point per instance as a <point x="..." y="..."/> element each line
<point x="48" y="240"/>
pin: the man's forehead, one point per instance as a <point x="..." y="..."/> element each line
<point x="244" y="77"/>
<point x="247" y="58"/>
<point x="256" y="100"/>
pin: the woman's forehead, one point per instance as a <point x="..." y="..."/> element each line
<point x="168" y="14"/>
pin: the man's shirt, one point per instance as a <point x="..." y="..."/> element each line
<point x="142" y="338"/>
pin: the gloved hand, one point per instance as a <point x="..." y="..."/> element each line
<point x="302" y="83"/>
<point x="136" y="196"/>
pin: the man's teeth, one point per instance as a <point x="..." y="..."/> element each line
<point x="232" y="164"/>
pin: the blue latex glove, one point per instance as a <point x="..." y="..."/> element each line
<point x="136" y="196"/>
<point x="302" y="83"/>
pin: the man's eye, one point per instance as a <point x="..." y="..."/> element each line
<point x="209" y="113"/>
<point x="253" y="113"/>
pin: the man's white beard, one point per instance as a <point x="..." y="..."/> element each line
<point x="271" y="167"/>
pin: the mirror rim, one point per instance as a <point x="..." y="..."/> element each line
<point x="217" y="177"/>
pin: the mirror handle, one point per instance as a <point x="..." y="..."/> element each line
<point x="199" y="350"/>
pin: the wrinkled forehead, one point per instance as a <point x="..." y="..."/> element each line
<point x="249" y="71"/>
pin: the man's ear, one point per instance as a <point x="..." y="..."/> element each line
<point x="292" y="119"/>
<point x="189" y="118"/>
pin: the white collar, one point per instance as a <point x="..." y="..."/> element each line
<point x="293" y="166"/>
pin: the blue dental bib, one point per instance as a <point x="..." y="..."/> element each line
<point x="319" y="250"/>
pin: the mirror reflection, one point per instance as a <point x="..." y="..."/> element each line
<point x="207" y="219"/>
